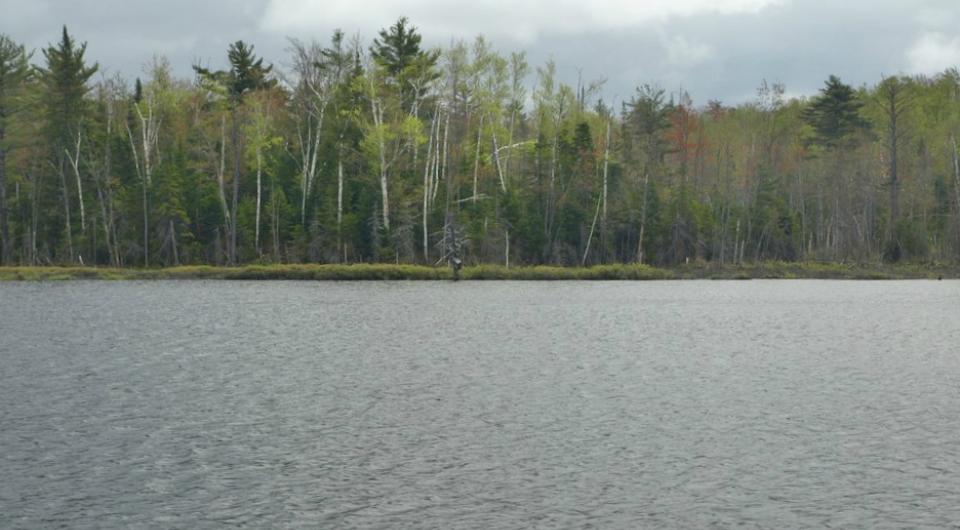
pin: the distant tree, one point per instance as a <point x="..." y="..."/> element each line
<point x="894" y="96"/>
<point x="144" y="135"/>
<point x="247" y="73"/>
<point x="407" y="65"/>
<point x="14" y="72"/>
<point x="397" y="47"/>
<point x="646" y="123"/>
<point x="64" y="81"/>
<point x="836" y="122"/>
<point x="835" y="113"/>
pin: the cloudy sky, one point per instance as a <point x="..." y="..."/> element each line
<point x="714" y="49"/>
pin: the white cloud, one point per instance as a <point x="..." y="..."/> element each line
<point x="934" y="52"/>
<point x="517" y="20"/>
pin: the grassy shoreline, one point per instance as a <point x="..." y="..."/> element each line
<point x="764" y="270"/>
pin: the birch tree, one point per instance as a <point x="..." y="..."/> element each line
<point x="247" y="73"/>
<point x="144" y="137"/>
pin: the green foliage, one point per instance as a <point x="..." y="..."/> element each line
<point x="406" y="155"/>
<point x="398" y="51"/>
<point x="14" y="74"/>
<point x="834" y="115"/>
<point x="910" y="242"/>
<point x="64" y="79"/>
<point x="247" y="73"/>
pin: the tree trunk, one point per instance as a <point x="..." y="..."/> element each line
<point x="377" y="112"/>
<point x="593" y="225"/>
<point x="173" y="243"/>
<point x="106" y="221"/>
<point x="426" y="188"/>
<point x="310" y="148"/>
<point x="441" y="170"/>
<point x="894" y="180"/>
<point x="506" y="252"/>
<point x="34" y="220"/>
<point x="606" y="166"/>
<point x="476" y="159"/>
<point x="339" y="208"/>
<point x="956" y="179"/>
<point x="66" y="208"/>
<point x="75" y="163"/>
<point x="603" y="218"/>
<point x="4" y="227"/>
<point x="496" y="159"/>
<point x="256" y="237"/>
<point x="146" y="224"/>
<point x="106" y="195"/>
<point x="275" y="223"/>
<point x="235" y="140"/>
<point x="643" y="217"/>
<point x="220" y="174"/>
<point x="384" y="193"/>
<point x="143" y="171"/>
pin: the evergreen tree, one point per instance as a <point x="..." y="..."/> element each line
<point x="835" y="113"/>
<point x="646" y="124"/>
<point x="14" y="72"/>
<point x="64" y="84"/>
<point x="407" y="65"/>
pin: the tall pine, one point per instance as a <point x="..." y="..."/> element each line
<point x="14" y="71"/>
<point x="64" y="83"/>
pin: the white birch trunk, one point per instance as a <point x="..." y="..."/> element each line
<point x="256" y="237"/>
<point x="476" y="160"/>
<point x="606" y="165"/>
<point x="426" y="188"/>
<point x="339" y="207"/>
<point x="75" y="164"/>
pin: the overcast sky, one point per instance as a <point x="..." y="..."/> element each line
<point x="714" y="49"/>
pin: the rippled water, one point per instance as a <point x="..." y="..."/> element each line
<point x="479" y="405"/>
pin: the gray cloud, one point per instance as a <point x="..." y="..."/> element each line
<point x="714" y="53"/>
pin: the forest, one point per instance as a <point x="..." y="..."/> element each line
<point x="386" y="151"/>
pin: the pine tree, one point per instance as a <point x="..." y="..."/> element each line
<point x="14" y="72"/>
<point x="64" y="81"/>
<point x="408" y="66"/>
<point x="835" y="113"/>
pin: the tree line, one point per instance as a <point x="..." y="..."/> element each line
<point x="388" y="151"/>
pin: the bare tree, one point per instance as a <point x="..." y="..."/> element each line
<point x="144" y="141"/>
<point x="313" y="85"/>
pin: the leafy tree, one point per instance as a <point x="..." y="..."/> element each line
<point x="247" y="73"/>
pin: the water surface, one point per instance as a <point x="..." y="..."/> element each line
<point x="479" y="405"/>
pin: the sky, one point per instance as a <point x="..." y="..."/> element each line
<point x="713" y="49"/>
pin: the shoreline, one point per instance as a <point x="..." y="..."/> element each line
<point x="361" y="272"/>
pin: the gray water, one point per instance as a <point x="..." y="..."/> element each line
<point x="480" y="405"/>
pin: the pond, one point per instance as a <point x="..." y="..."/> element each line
<point x="684" y="404"/>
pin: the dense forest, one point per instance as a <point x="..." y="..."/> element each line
<point x="386" y="151"/>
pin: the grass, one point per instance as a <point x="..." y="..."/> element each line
<point x="762" y="270"/>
